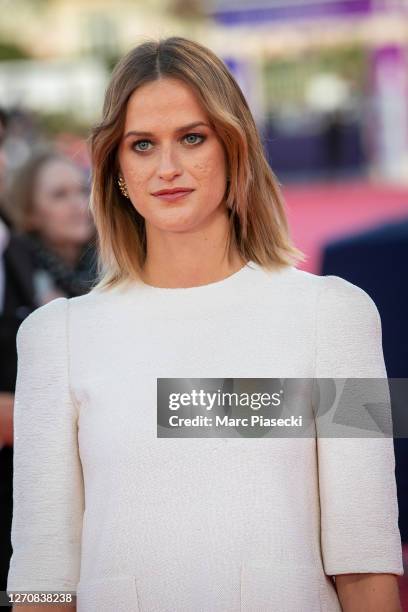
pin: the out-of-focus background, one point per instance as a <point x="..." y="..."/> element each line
<point x="327" y="82"/>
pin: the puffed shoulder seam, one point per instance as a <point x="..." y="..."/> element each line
<point x="49" y="316"/>
<point x="338" y="294"/>
<point x="351" y="294"/>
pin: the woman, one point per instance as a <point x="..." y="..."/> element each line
<point x="49" y="207"/>
<point x="194" y="283"/>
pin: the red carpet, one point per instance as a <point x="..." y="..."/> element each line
<point x="319" y="212"/>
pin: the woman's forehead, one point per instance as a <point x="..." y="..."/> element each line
<point x="163" y="103"/>
<point x="56" y="170"/>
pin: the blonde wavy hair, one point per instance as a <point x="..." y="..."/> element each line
<point x="258" y="225"/>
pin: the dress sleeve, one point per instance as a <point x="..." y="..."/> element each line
<point x="358" y="497"/>
<point x="48" y="499"/>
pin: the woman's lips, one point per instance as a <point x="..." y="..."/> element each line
<point x="173" y="196"/>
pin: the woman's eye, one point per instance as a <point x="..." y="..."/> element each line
<point x="194" y="136"/>
<point x="141" y="144"/>
<point x="59" y="194"/>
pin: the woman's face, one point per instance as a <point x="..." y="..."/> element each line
<point x="160" y="149"/>
<point x="60" y="204"/>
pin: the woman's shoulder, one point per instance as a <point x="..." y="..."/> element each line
<point x="330" y="295"/>
<point x="44" y="325"/>
<point x="340" y="295"/>
<point x="58" y="310"/>
<point x="48" y="314"/>
<point x="329" y="289"/>
<point x="345" y="310"/>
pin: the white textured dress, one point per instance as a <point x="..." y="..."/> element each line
<point x="135" y="523"/>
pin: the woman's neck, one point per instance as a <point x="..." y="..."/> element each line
<point x="190" y="273"/>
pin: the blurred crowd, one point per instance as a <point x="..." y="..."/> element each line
<point x="47" y="250"/>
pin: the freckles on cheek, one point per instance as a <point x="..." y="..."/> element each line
<point x="210" y="175"/>
<point x="137" y="183"/>
<point x="136" y="179"/>
<point x="201" y="167"/>
<point x="207" y="169"/>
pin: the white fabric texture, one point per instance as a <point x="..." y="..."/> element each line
<point x="133" y="522"/>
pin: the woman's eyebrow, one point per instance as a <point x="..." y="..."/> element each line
<point x="176" y="131"/>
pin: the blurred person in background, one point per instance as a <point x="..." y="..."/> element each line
<point x="45" y="234"/>
<point x="49" y="206"/>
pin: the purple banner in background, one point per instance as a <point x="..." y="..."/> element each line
<point x="277" y="10"/>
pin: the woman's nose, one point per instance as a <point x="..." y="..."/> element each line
<point x="169" y="165"/>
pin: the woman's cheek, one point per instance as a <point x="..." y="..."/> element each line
<point x="206" y="166"/>
<point x="137" y="181"/>
<point x="211" y="175"/>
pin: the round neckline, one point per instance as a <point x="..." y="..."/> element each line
<point x="228" y="280"/>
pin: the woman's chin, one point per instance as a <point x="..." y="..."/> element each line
<point x="174" y="223"/>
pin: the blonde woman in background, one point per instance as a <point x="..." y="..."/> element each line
<point x="197" y="278"/>
<point x="48" y="203"/>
